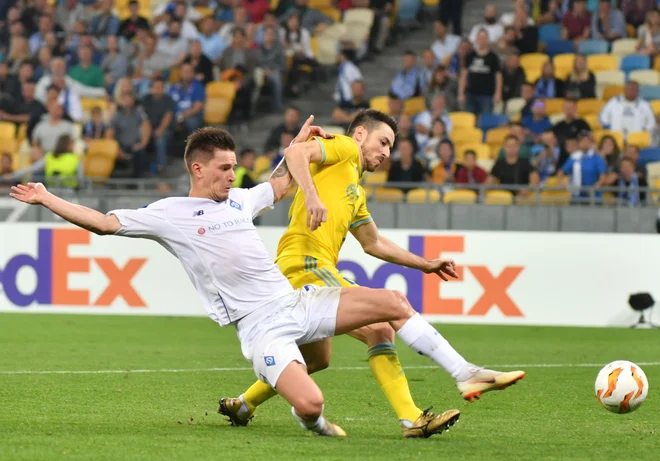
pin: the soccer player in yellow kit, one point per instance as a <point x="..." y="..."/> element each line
<point x="328" y="172"/>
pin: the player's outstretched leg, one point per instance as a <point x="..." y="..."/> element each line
<point x="363" y="306"/>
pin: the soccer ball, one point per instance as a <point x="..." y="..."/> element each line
<point x="621" y="386"/>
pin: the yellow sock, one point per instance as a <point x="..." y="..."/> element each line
<point x="386" y="368"/>
<point x="257" y="394"/>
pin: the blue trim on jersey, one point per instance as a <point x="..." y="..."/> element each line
<point x="224" y="305"/>
<point x="322" y="147"/>
<point x="361" y="221"/>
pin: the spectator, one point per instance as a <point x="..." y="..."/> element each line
<point x="346" y="111"/>
<point x="630" y="185"/>
<point x="241" y="21"/>
<point x="426" y="70"/>
<point x="424" y="121"/>
<point x="445" y="169"/>
<point x="174" y="45"/>
<point x="457" y="61"/>
<point x="49" y="130"/>
<point x="549" y="157"/>
<point x="152" y="62"/>
<point x="452" y="10"/>
<point x="576" y="23"/>
<point x="188" y="29"/>
<point x="105" y="23"/>
<point x="528" y="95"/>
<point x="311" y="19"/>
<point x="69" y="99"/>
<point x="202" y="64"/>
<point x="636" y="11"/>
<point x="380" y="29"/>
<point x="68" y="13"/>
<point x="85" y="72"/>
<point x="406" y="82"/>
<point x="628" y="113"/>
<point x="114" y="64"/>
<point x="527" y="35"/>
<point x="38" y="39"/>
<point x="132" y="130"/>
<point x="20" y="110"/>
<point x="212" y="43"/>
<point x="256" y="9"/>
<point x="394" y="107"/>
<point x="296" y="41"/>
<point x="608" y="23"/>
<point x="19" y="53"/>
<point x="291" y="124"/>
<point x="585" y="167"/>
<point x="246" y="161"/>
<point x="513" y="78"/>
<point x="538" y="122"/>
<point x="407" y="169"/>
<point x="571" y="125"/>
<point x="609" y="150"/>
<point x="513" y="170"/>
<point x="649" y="37"/>
<point x="480" y="86"/>
<point x="445" y="45"/>
<point x="44" y="57"/>
<point x="189" y="96"/>
<point x="160" y="109"/>
<point x="524" y="143"/>
<point x="129" y="26"/>
<point x="581" y="83"/>
<point x="95" y="128"/>
<point x="429" y="155"/>
<point x="632" y="152"/>
<point x="550" y="12"/>
<point x="6" y="170"/>
<point x="272" y="62"/>
<point x="237" y="65"/>
<point x="471" y="173"/>
<point x="57" y="71"/>
<point x="347" y="74"/>
<point x="270" y="20"/>
<point x="60" y="168"/>
<point x="547" y="86"/>
<point x="174" y="8"/>
<point x="519" y="7"/>
<point x="495" y="29"/>
<point x="506" y="45"/>
<point x="443" y="85"/>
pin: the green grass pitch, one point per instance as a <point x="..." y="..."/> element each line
<point x="551" y="414"/>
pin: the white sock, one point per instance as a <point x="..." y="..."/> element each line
<point x="320" y="426"/>
<point x="244" y="411"/>
<point x="419" y="335"/>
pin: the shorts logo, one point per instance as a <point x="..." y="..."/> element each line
<point x="198" y="213"/>
<point x="201" y="231"/>
<point x="270" y="360"/>
<point x="352" y="192"/>
<point x="235" y="205"/>
<point x="309" y="287"/>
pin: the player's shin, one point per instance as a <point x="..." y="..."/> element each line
<point x="257" y="394"/>
<point x="419" y="335"/>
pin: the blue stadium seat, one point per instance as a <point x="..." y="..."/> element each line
<point x="488" y="121"/>
<point x="650" y="92"/>
<point x="408" y="10"/>
<point x="634" y="62"/>
<point x="648" y="155"/>
<point x="594" y="47"/>
<point x="555" y="47"/>
<point x="549" y="32"/>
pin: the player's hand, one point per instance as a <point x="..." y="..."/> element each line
<point x="33" y="193"/>
<point x="316" y="213"/>
<point x="308" y="130"/>
<point x="442" y="268"/>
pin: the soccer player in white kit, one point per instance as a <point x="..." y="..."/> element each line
<point x="212" y="234"/>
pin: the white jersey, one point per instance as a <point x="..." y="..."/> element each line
<point x="219" y="247"/>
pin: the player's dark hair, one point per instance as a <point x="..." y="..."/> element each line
<point x="203" y="142"/>
<point x="510" y="137"/>
<point x="470" y="152"/>
<point x="369" y="119"/>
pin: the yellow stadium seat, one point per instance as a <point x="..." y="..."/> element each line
<point x="598" y="62"/>
<point x="631" y="30"/>
<point x="640" y="139"/>
<point x="98" y="166"/>
<point x="414" y="106"/>
<point x="431" y="2"/>
<point x="554" y="105"/>
<point x="423" y="196"/>
<point x="463" y="119"/>
<point x="7" y="131"/>
<point x="532" y="75"/>
<point x="466" y="135"/>
<point x="334" y="13"/>
<point x="554" y="181"/>
<point x="482" y="150"/>
<point x="611" y="91"/>
<point x="217" y="110"/>
<point x="21" y="134"/>
<point x="377" y="177"/>
<point x="533" y="61"/>
<point x="8" y="146"/>
<point x="388" y="195"/>
<point x="592" y="121"/>
<point x="380" y="103"/>
<point x="105" y="147"/>
<point x="617" y="135"/>
<point x="320" y="4"/>
<point x="555" y="198"/>
<point x="589" y="106"/>
<point x="460" y="196"/>
<point x="205" y="12"/>
<point x="175" y="75"/>
<point x="261" y="165"/>
<point x="89" y="103"/>
<point x="225" y="90"/>
<point x="498" y="197"/>
<point x="497" y="135"/>
<point x="655" y="105"/>
<point x="15" y="160"/>
<point x="563" y="63"/>
<point x="562" y="73"/>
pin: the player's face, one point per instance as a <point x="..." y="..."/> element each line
<point x="218" y="174"/>
<point x="376" y="147"/>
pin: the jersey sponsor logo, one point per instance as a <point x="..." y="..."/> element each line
<point x="352" y="192"/>
<point x="201" y="231"/>
<point x="232" y="224"/>
<point x="425" y="292"/>
<point x="270" y="360"/>
<point x="198" y="213"/>
<point x="235" y="205"/>
<point x="52" y="267"/>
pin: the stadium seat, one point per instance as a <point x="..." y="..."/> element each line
<point x="514" y="107"/>
<point x="554" y="105"/>
<point x="549" y="32"/>
<point x="415" y="105"/>
<point x="624" y="46"/>
<point x="639" y="139"/>
<point x="532" y="75"/>
<point x="555" y="47"/>
<point x="408" y="10"/>
<point x="589" y="106"/>
<point x="7" y="131"/>
<point x="617" y="135"/>
<point x="98" y="166"/>
<point x="225" y="90"/>
<point x="466" y="135"/>
<point x="653" y="171"/>
<point x="463" y="119"/>
<point x="555" y="198"/>
<point x="635" y="62"/>
<point x="655" y="105"/>
<point x="589" y="47"/>
<point x="649" y="155"/>
<point x="320" y="4"/>
<point x="482" y="151"/>
<point x="377" y="177"/>
<point x="593" y="121"/>
<point x="217" y="110"/>
<point x="333" y="13"/>
<point x="650" y="92"/>
<point x="333" y="129"/>
<point x="89" y="103"/>
<point x="489" y="121"/>
<point x="388" y="195"/>
<point x="599" y="62"/>
<point x="495" y="137"/>
<point x="175" y="75"/>
<point x="555" y="182"/>
<point x="611" y="91"/>
<point x="106" y="147"/>
<point x="556" y="118"/>
<point x="498" y="197"/>
<point x="380" y="103"/>
<point x="645" y="76"/>
<point x="460" y="196"/>
<point x="423" y="196"/>
<point x="609" y="77"/>
<point x="261" y="165"/>
<point x="326" y="52"/>
<point x="358" y="22"/>
<point x="565" y="62"/>
<point x="533" y="62"/>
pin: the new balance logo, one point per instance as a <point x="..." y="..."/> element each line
<point x="198" y="213"/>
<point x="270" y="360"/>
<point x="235" y="205"/>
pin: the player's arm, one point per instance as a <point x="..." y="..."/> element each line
<point x="382" y="248"/>
<point x="92" y="220"/>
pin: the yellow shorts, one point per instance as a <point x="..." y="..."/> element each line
<point x="305" y="270"/>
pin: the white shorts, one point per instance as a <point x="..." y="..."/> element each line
<point x="270" y="336"/>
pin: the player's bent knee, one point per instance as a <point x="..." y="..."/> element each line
<point x="378" y="333"/>
<point x="310" y="407"/>
<point x="400" y="307"/>
<point x="318" y="363"/>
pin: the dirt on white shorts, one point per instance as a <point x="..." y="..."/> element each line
<point x="270" y="336"/>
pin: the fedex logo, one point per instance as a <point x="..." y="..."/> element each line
<point x="53" y="266"/>
<point x="424" y="290"/>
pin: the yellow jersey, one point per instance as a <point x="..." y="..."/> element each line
<point x="337" y="181"/>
